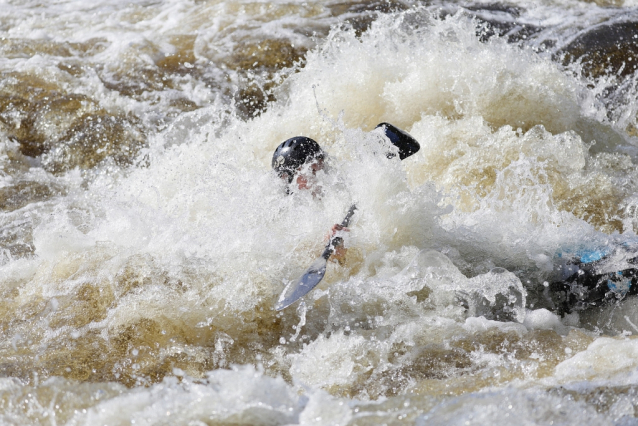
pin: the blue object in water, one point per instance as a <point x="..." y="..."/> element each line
<point x="588" y="256"/>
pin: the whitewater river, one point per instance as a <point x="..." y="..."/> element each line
<point x="144" y="239"/>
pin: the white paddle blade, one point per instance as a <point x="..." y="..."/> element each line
<point x="298" y="289"/>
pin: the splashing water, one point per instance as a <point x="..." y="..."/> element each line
<point x="145" y="240"/>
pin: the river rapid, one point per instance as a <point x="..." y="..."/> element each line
<point x="144" y="239"/>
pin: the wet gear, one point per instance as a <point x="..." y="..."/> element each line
<point x="592" y="278"/>
<point x="406" y="144"/>
<point x="294" y="153"/>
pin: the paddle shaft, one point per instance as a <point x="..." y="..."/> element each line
<point x="336" y="241"/>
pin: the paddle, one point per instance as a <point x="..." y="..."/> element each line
<point x="295" y="290"/>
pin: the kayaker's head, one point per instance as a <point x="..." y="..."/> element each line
<point x="298" y="159"/>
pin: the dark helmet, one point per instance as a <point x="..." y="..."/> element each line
<point x="294" y="153"/>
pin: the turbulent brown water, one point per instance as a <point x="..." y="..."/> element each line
<point x="144" y="239"/>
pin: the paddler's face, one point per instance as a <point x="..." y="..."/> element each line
<point x="306" y="173"/>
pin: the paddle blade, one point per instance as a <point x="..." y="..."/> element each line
<point x="401" y="139"/>
<point x="298" y="289"/>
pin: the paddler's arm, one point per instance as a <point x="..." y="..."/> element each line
<point x="339" y="255"/>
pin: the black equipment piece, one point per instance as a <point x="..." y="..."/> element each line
<point x="407" y="144"/>
<point x="592" y="279"/>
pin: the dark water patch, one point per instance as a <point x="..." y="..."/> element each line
<point x="149" y="349"/>
<point x="456" y="367"/>
<point x="360" y="15"/>
<point x="392" y="411"/>
<point x="27" y="48"/>
<point x="182" y="60"/>
<point x="16" y="241"/>
<point x="149" y="73"/>
<point x="434" y="361"/>
<point x="88" y="304"/>
<point x="501" y="20"/>
<point x="256" y="64"/>
<point x="509" y="9"/>
<point x="606" y="50"/>
<point x="267" y="55"/>
<point x="512" y="31"/>
<point x="141" y="353"/>
<point x="135" y="75"/>
<point x="545" y="345"/>
<point x="93" y="139"/>
<point x="19" y="96"/>
<point x="74" y="67"/>
<point x="16" y="196"/>
<point x="607" y="3"/>
<point x="602" y="207"/>
<point x="71" y="129"/>
<point x="59" y="400"/>
<point x="603" y="398"/>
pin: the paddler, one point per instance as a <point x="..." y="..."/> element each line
<point x="297" y="161"/>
